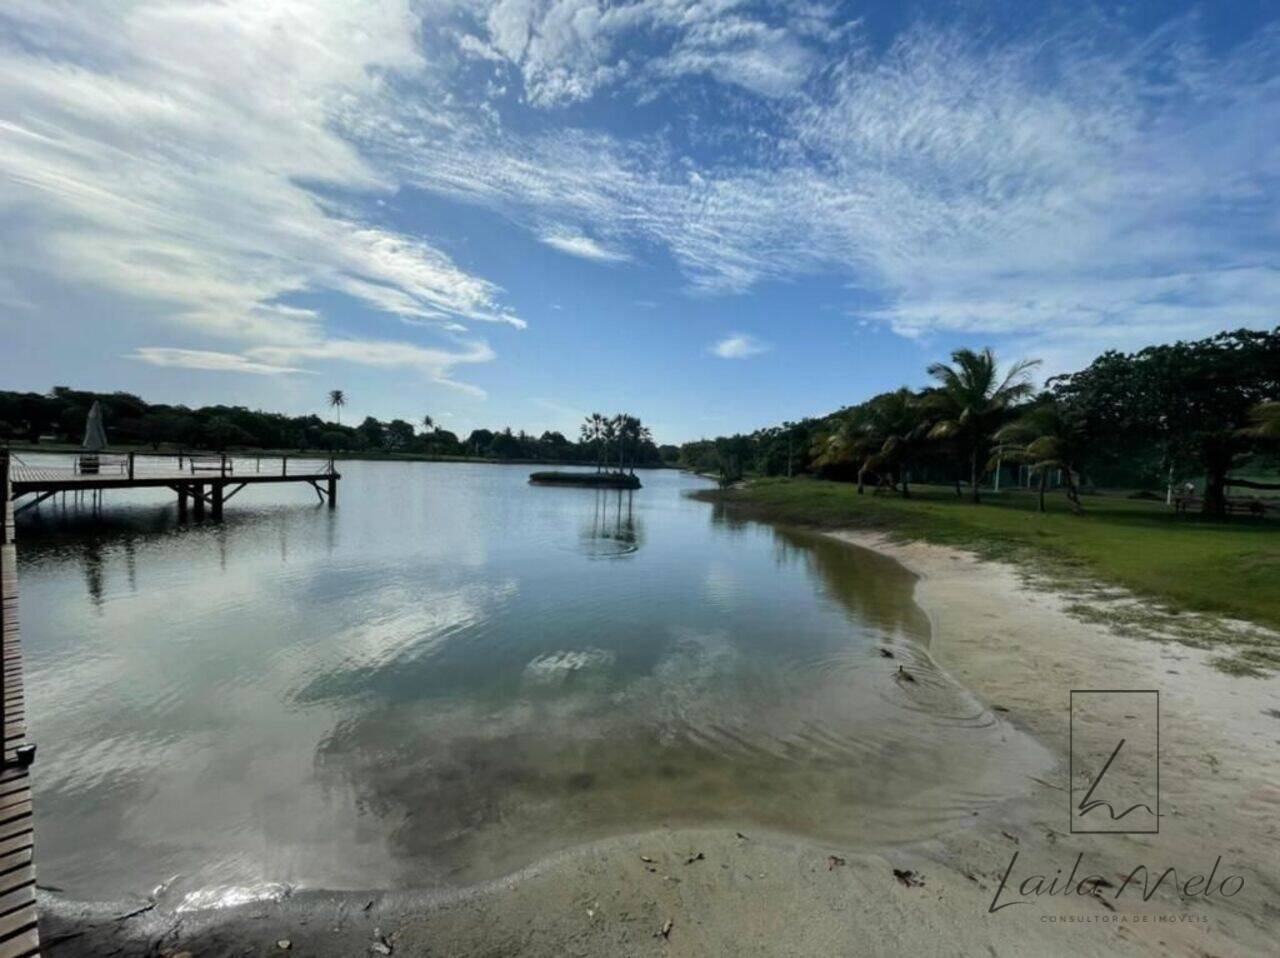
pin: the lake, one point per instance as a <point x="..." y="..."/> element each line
<point x="455" y="674"/>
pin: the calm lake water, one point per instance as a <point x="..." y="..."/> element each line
<point x="454" y="674"/>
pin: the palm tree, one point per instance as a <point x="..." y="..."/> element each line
<point x="428" y="427"/>
<point x="849" y="443"/>
<point x="1046" y="437"/>
<point x="972" y="401"/>
<point x="625" y="427"/>
<point x="592" y="432"/>
<point x="608" y="433"/>
<point x="898" y="421"/>
<point x="643" y="436"/>
<point x="337" y="399"/>
<point x="1266" y="421"/>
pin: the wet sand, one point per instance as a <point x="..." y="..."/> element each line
<point x="757" y="893"/>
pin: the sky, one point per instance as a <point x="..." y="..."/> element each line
<point x="714" y="214"/>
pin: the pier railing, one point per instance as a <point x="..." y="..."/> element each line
<point x="193" y="465"/>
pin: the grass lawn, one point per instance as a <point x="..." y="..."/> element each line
<point x="1230" y="567"/>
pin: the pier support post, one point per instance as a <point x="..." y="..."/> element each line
<point x="198" y="489"/>
<point x="182" y="501"/>
<point x="218" y="488"/>
<point x="333" y="492"/>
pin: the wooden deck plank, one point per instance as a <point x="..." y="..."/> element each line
<point x="17" y="921"/>
<point x="14" y="828"/>
<point x="19" y="897"/>
<point x="23" y="945"/>
<point x="19" y="933"/>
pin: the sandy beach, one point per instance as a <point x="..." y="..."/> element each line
<point x="731" y="892"/>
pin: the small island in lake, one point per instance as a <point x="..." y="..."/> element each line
<point x="614" y="439"/>
<point x="599" y="480"/>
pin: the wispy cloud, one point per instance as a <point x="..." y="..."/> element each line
<point x="566" y="51"/>
<point x="186" y="159"/>
<point x="1049" y="184"/>
<point x="739" y="346"/>
<point x="582" y="246"/>
<point x="207" y="360"/>
<point x="1069" y="187"/>
<point x="435" y="364"/>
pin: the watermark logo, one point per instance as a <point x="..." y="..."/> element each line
<point x="1115" y="790"/>
<point x="1115" y="768"/>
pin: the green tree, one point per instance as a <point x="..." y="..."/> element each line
<point x="1194" y="399"/>
<point x="592" y="434"/>
<point x="897" y="428"/>
<point x="1047" y="436"/>
<point x="972" y="400"/>
<point x="1265" y="423"/>
<point x="398" y="435"/>
<point x="337" y="399"/>
<point x="372" y="433"/>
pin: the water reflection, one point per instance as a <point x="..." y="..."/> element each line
<point x="439" y="681"/>
<point x="612" y="530"/>
<point x="888" y="609"/>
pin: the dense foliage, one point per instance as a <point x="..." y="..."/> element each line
<point x="60" y="416"/>
<point x="1150" y="419"/>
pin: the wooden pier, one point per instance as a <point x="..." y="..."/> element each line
<point x="19" y="935"/>
<point x="202" y="482"/>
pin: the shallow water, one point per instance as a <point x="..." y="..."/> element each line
<point x="454" y="673"/>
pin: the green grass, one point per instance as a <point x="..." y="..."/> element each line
<point x="1189" y="565"/>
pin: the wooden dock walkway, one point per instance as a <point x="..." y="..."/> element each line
<point x="19" y="935"/>
<point x="199" y="480"/>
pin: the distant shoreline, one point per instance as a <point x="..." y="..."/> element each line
<point x="65" y="448"/>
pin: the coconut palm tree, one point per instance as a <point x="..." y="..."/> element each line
<point x="337" y="399"/>
<point x="1266" y="421"/>
<point x="1046" y="437"/>
<point x="972" y="400"/>
<point x="428" y="423"/>
<point x="626" y="428"/>
<point x="899" y="422"/>
<point x="848" y="442"/>
<point x="592" y="432"/>
<point x="608" y="433"/>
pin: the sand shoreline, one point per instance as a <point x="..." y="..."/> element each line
<point x="1018" y="651"/>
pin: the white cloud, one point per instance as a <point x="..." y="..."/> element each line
<point x="582" y="246"/>
<point x="185" y="158"/>
<point x="1089" y="179"/>
<point x="207" y="360"/>
<point x="569" y="50"/>
<point x="739" y="346"/>
<point x="435" y="364"/>
<point x="215" y="163"/>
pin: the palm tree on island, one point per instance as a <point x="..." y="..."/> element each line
<point x="602" y="432"/>
<point x="592" y="432"/>
<point x="337" y="399"/>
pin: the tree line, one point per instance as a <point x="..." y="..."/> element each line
<point x="1152" y="419"/>
<point x="60" y="416"/>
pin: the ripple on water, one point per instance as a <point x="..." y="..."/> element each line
<point x="438" y="683"/>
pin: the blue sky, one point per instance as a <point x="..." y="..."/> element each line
<point x="715" y="214"/>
